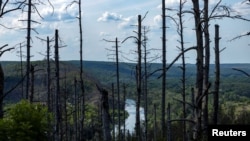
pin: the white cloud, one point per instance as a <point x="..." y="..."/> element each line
<point x="127" y="22"/>
<point x="107" y="16"/>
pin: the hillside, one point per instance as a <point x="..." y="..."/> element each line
<point x="232" y="81"/>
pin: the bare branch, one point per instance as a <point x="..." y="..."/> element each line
<point x="238" y="37"/>
<point x="247" y="74"/>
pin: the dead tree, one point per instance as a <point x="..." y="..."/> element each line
<point x="145" y="82"/>
<point x="138" y="81"/>
<point x="28" y="49"/>
<point x="206" y="65"/>
<point x="117" y="84"/>
<point x="32" y="80"/>
<point x="1" y="90"/>
<point x="183" y="67"/>
<point x="2" y="95"/>
<point x="118" y="88"/>
<point x="217" y="75"/>
<point x="113" y="108"/>
<point x="199" y="69"/>
<point x="105" y="114"/>
<point x="163" y="98"/>
<point x="57" y="91"/>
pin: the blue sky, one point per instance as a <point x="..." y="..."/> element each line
<point x="108" y="19"/>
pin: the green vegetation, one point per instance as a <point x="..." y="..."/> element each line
<point x="25" y="122"/>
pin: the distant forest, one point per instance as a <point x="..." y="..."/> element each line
<point x="82" y="100"/>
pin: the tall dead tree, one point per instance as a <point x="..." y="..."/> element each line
<point x="206" y="65"/>
<point x="117" y="84"/>
<point x="163" y="102"/>
<point x="217" y="75"/>
<point x="105" y="114"/>
<point x="28" y="49"/>
<point x="2" y="95"/>
<point x="145" y="90"/>
<point x="183" y="67"/>
<point x="199" y="69"/>
<point x="138" y="81"/>
<point x="57" y="91"/>
<point x="1" y="90"/>
<point x="81" y="69"/>
<point x="118" y="88"/>
<point x="32" y="80"/>
<point x="113" y="108"/>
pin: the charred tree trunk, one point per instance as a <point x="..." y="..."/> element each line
<point x="199" y="65"/>
<point x="105" y="114"/>
<point x="1" y="90"/>
<point x="118" y="88"/>
<point x="138" y="82"/>
<point x="217" y="76"/>
<point x="206" y="67"/>
<point x="145" y="84"/>
<point x="155" y="124"/>
<point x="163" y="102"/>
<point x="169" y="123"/>
<point x="28" y="49"/>
<point x="81" y="71"/>
<point x="75" y="111"/>
<point x="183" y="68"/>
<point x="32" y="72"/>
<point x="57" y="91"/>
<point x="113" y="108"/>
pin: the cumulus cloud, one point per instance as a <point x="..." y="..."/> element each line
<point x="107" y="16"/>
<point x="61" y="12"/>
<point x="123" y="22"/>
<point x="127" y="22"/>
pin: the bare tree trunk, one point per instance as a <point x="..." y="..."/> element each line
<point x="155" y="124"/>
<point x="81" y="71"/>
<point x="75" y="111"/>
<point x="28" y="49"/>
<point x="57" y="91"/>
<point x="145" y="84"/>
<point x="113" y="107"/>
<point x="183" y="67"/>
<point x="138" y="82"/>
<point x="105" y="114"/>
<point x="163" y="70"/>
<point x="1" y="90"/>
<point x="207" y="63"/>
<point x="169" y="123"/>
<point x="199" y="71"/>
<point x="32" y="72"/>
<point x="118" y="88"/>
<point x="217" y="75"/>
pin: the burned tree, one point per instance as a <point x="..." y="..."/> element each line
<point x="2" y="95"/>
<point x="105" y="114"/>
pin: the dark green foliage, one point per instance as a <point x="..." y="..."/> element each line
<point x="25" y="122"/>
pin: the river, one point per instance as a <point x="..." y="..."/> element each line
<point x="130" y="107"/>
